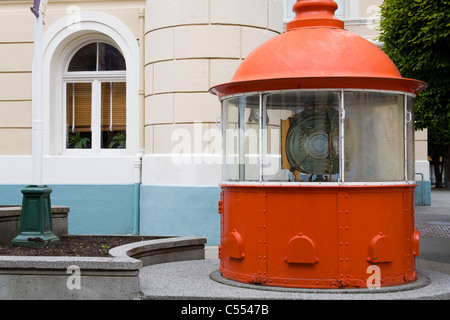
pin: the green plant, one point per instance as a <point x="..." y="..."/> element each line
<point x="118" y="141"/>
<point x="77" y="141"/>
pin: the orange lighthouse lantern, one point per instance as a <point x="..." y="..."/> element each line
<point x="318" y="161"/>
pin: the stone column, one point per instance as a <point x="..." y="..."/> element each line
<point x="192" y="45"/>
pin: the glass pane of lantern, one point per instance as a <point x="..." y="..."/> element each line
<point x="410" y="137"/>
<point x="230" y="170"/>
<point x="302" y="130"/>
<point x="374" y="137"/>
<point x="241" y="138"/>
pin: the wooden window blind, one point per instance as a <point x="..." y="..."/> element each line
<point x="79" y="100"/>
<point x="113" y="106"/>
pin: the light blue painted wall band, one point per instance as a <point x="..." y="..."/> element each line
<point x="161" y="210"/>
<point x="94" y="209"/>
<point x="181" y="211"/>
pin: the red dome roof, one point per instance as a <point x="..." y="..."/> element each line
<point x="316" y="52"/>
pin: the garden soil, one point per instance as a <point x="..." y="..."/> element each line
<point x="74" y="246"/>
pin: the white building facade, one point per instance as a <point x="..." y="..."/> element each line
<point x="132" y="138"/>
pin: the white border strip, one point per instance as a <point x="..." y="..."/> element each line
<point x="316" y="184"/>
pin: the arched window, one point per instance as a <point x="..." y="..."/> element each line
<point x="95" y="98"/>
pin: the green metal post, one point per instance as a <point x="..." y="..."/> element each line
<point x="36" y="228"/>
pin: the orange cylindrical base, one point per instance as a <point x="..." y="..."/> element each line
<point x="318" y="237"/>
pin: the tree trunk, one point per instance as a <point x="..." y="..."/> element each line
<point x="446" y="168"/>
<point x="437" y="170"/>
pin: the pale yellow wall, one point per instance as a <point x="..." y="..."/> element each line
<point x="15" y="123"/>
<point x="365" y="23"/>
<point x="16" y="56"/>
<point x="366" y="7"/>
<point x="125" y="10"/>
<point x="421" y="146"/>
<point x="16" y="59"/>
<point x="198" y="46"/>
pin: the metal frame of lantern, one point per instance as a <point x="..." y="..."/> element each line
<point x="292" y="229"/>
<point x="261" y="114"/>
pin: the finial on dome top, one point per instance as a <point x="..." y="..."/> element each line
<point x="315" y="13"/>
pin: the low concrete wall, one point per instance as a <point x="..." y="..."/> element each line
<point x="83" y="278"/>
<point x="68" y="278"/>
<point x="163" y="250"/>
<point x="10" y="221"/>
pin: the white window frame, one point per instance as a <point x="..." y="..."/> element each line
<point x="95" y="78"/>
<point x="60" y="41"/>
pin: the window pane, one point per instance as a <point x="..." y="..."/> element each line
<point x="410" y="138"/>
<point x="241" y="139"/>
<point x="85" y="59"/>
<point x="78" y="115"/>
<point x="302" y="136"/>
<point x="113" y="115"/>
<point x="109" y="58"/>
<point x="374" y="137"/>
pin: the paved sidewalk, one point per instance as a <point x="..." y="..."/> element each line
<point x="433" y="222"/>
<point x="433" y="266"/>
<point x="197" y="280"/>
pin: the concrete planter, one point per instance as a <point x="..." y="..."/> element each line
<point x="115" y="277"/>
<point x="10" y="221"/>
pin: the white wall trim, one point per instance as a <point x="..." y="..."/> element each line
<point x="70" y="170"/>
<point x="181" y="170"/>
<point x="16" y="170"/>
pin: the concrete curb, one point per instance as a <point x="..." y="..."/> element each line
<point x="190" y="280"/>
<point x="422" y="281"/>
<point x="10" y="221"/>
<point x="162" y="250"/>
<point x="92" y="278"/>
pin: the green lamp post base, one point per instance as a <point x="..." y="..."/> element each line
<point x="36" y="229"/>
